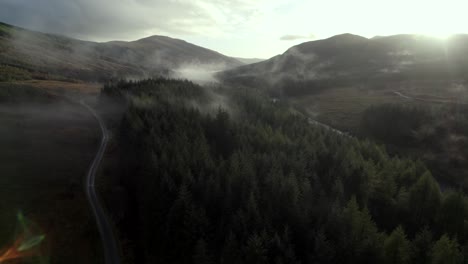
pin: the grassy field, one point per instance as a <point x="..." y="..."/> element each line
<point x="342" y="107"/>
<point x="45" y="151"/>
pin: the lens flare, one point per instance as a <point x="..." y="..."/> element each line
<point x="27" y="244"/>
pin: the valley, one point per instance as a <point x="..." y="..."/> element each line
<point x="340" y="150"/>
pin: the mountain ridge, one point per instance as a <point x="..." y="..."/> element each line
<point x="45" y="55"/>
<point x="354" y="60"/>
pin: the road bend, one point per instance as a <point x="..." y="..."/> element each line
<point x="111" y="253"/>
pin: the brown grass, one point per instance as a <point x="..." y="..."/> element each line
<point x="342" y="107"/>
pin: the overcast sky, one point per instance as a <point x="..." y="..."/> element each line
<point x="242" y="28"/>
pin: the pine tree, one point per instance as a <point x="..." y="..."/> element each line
<point x="201" y="255"/>
<point x="446" y="251"/>
<point x="397" y="247"/>
<point x="255" y="250"/>
<point x="421" y="247"/>
<point x="453" y="214"/>
<point x="424" y="199"/>
<point x="362" y="242"/>
<point x="323" y="251"/>
<point x="230" y="253"/>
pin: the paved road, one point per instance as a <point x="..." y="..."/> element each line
<point x="111" y="253"/>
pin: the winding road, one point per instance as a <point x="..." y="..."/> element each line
<point x="435" y="101"/>
<point x="327" y="127"/>
<point x="111" y="253"/>
<point x="402" y="95"/>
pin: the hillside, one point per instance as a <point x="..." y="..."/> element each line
<point x="26" y="54"/>
<point x="353" y="60"/>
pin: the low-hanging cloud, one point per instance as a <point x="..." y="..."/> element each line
<point x="129" y="19"/>
<point x="296" y="37"/>
<point x="198" y="72"/>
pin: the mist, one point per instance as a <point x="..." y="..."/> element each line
<point x="199" y="73"/>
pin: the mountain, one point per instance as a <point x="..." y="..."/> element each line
<point x="165" y="51"/>
<point x="52" y="56"/>
<point x="353" y="60"/>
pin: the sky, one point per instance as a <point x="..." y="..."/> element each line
<point x="239" y="28"/>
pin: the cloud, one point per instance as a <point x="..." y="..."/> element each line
<point x="130" y="19"/>
<point x="296" y="37"/>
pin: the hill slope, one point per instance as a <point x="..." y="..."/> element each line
<point x="27" y="53"/>
<point x="354" y="60"/>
